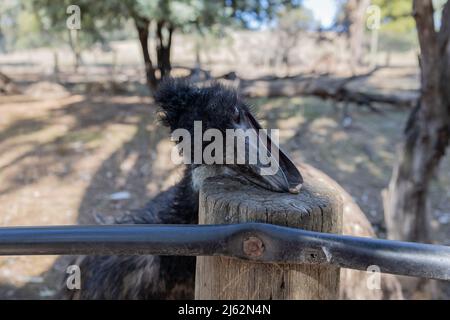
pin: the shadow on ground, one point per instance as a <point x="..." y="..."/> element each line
<point x="358" y="156"/>
<point x="89" y="124"/>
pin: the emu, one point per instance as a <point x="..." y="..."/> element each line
<point x="170" y="277"/>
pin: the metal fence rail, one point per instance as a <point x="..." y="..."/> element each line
<point x="254" y="241"/>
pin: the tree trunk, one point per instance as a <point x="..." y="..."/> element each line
<point x="426" y="135"/>
<point x="163" y="47"/>
<point x="142" y="26"/>
<point x="75" y="46"/>
<point x="2" y="41"/>
<point x="355" y="11"/>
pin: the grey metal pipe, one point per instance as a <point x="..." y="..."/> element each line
<point x="251" y="241"/>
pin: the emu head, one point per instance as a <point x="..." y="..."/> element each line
<point x="184" y="106"/>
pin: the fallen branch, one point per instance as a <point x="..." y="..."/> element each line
<point x="7" y="86"/>
<point x="325" y="87"/>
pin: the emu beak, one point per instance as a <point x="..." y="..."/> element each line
<point x="276" y="172"/>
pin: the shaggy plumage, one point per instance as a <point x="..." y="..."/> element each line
<point x="164" y="277"/>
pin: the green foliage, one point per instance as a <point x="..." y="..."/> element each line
<point x="10" y="11"/>
<point x="398" y="28"/>
<point x="47" y="18"/>
<point x="28" y="31"/>
<point x="96" y="16"/>
<point x="396" y="16"/>
<point x="185" y="15"/>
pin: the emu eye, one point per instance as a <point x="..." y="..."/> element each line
<point x="236" y="115"/>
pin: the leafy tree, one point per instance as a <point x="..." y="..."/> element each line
<point x="398" y="29"/>
<point x="396" y="16"/>
<point x="160" y="18"/>
<point x="427" y="133"/>
<point x="168" y="16"/>
<point x="195" y="16"/>
<point x="10" y="26"/>
<point x="96" y="17"/>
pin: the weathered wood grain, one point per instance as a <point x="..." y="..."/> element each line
<point x="228" y="200"/>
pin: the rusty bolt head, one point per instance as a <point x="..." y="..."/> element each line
<point x="253" y="247"/>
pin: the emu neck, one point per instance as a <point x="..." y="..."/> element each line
<point x="201" y="173"/>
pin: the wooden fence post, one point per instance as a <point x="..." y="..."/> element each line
<point x="227" y="200"/>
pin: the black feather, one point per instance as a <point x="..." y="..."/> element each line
<point x="153" y="277"/>
<point x="175" y="96"/>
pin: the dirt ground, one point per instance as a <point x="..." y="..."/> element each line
<point x="66" y="159"/>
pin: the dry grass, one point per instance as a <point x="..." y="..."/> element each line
<point x="61" y="159"/>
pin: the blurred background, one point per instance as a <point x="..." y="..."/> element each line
<point x="79" y="137"/>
